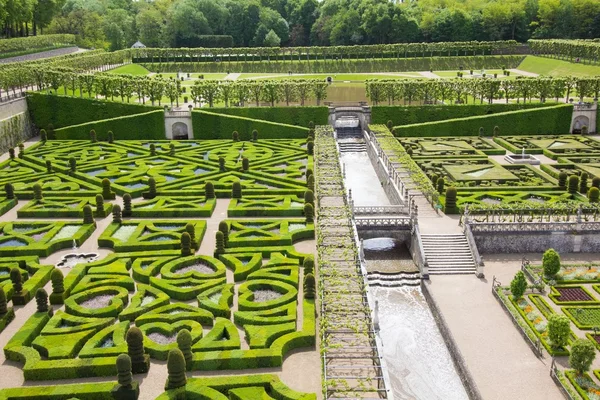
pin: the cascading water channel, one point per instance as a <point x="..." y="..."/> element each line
<point x="418" y="362"/>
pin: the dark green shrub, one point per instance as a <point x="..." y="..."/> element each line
<point x="496" y="131"/>
<point x="562" y="180"/>
<point x="481" y="131"/>
<point x="152" y="149"/>
<point x="389" y="124"/>
<point x="189" y="228"/>
<point x="309" y="172"/>
<point x="116" y="211"/>
<point x="434" y="179"/>
<point x="583" y="353"/>
<point x="16" y="279"/>
<point x="184" y="343"/>
<point x="3" y="305"/>
<point x="583" y="183"/>
<point x="172" y="149"/>
<point x="409" y="151"/>
<point x="236" y="190"/>
<point x="551" y="262"/>
<point x="51" y="134"/>
<point x="584" y="130"/>
<point x="10" y="191"/>
<point x="593" y="194"/>
<point x="175" y="369"/>
<point x="235" y="136"/>
<point x="21" y="150"/>
<point x="58" y="279"/>
<point x="309" y="197"/>
<point x="311" y="134"/>
<point x="220" y="246"/>
<point x="135" y="344"/>
<point x="309" y="212"/>
<point x="43" y="135"/>
<point x="310" y="182"/>
<point x="99" y="204"/>
<point x="311" y="125"/>
<point x="573" y="184"/>
<point x="209" y="190"/>
<point x="72" y="164"/>
<point x="93" y="136"/>
<point x="106" y="189"/>
<point x="88" y="215"/>
<point x="221" y="163"/>
<point x="518" y="285"/>
<point x="309" y="286"/>
<point x="308" y="265"/>
<point x="559" y="330"/>
<point x="255" y="135"/>
<point x="11" y="153"/>
<point x="440" y="185"/>
<point x="127" y="205"/>
<point x="223" y="227"/>
<point x="596" y="182"/>
<point x="41" y="299"/>
<point x="151" y="188"/>
<point x="186" y="243"/>
<point x="310" y="147"/>
<point x="111" y="137"/>
<point x="124" y="377"/>
<point x="451" y="200"/>
<point x="37" y="192"/>
<point x="245" y="164"/>
<point x="49" y="166"/>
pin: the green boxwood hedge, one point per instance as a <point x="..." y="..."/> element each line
<point x="210" y="125"/>
<point x="299" y="116"/>
<point x="81" y="391"/>
<point x="547" y="120"/>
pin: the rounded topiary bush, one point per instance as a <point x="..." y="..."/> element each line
<point x="172" y="149"/>
<point x="562" y="180"/>
<point x="186" y="242"/>
<point x="389" y="124"/>
<point x="309" y="197"/>
<point x="41" y="300"/>
<point x="111" y="137"/>
<point x="127" y="208"/>
<point x="309" y="286"/>
<point x="309" y="212"/>
<point x="440" y="185"/>
<point x="152" y="149"/>
<point x="221" y="163"/>
<point x="43" y="135"/>
<point x="573" y="184"/>
<point x="124" y="377"/>
<point x="106" y="189"/>
<point x="88" y="214"/>
<point x="583" y="183"/>
<point x="255" y="135"/>
<point x="184" y="343"/>
<point x="49" y="166"/>
<point x="451" y="200"/>
<point x="72" y="164"/>
<point x="21" y="150"/>
<point x="596" y="182"/>
<point x="189" y="228"/>
<point x="11" y="153"/>
<point x="224" y="228"/>
<point x="496" y="131"/>
<point x="481" y="131"/>
<point x="551" y="262"/>
<point x="175" y="369"/>
<point x="209" y="190"/>
<point x="311" y="125"/>
<point x="99" y="203"/>
<point x="593" y="194"/>
<point x="16" y="279"/>
<point x="9" y="190"/>
<point x="116" y="211"/>
<point x="310" y="147"/>
<point x="58" y="279"/>
<point x="309" y="172"/>
<point x="135" y="344"/>
<point x="220" y="246"/>
<point x="93" y="136"/>
<point x="308" y="265"/>
<point x="245" y="164"/>
<point x="37" y="192"/>
<point x="236" y="190"/>
<point x="152" y="187"/>
<point x="310" y="182"/>
<point x="235" y="136"/>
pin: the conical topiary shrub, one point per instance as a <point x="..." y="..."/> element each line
<point x="37" y="192"/>
<point x="309" y="286"/>
<point x="151" y="188"/>
<point x="175" y="369"/>
<point x="440" y="185"/>
<point x="189" y="228"/>
<point x="72" y="164"/>
<point x="140" y="362"/>
<point x="245" y="164"/>
<point x="308" y="265"/>
<point x="116" y="211"/>
<point x="111" y="137"/>
<point x="583" y="183"/>
<point x="236" y="190"/>
<point x="106" y="189"/>
<point x="58" y="287"/>
<point x="93" y="136"/>
<point x="172" y="149"/>
<point x="152" y="149"/>
<point x="11" y="153"/>
<point x="224" y="228"/>
<point x="573" y="184"/>
<point x="254" y="135"/>
<point x="221" y="163"/>
<point x="309" y="197"/>
<point x="124" y="376"/>
<point x="310" y="182"/>
<point x="562" y="180"/>
<point x="10" y="191"/>
<point x="43" y="135"/>
<point x="209" y="190"/>
<point x="235" y="136"/>
<point x="309" y="212"/>
<point x="41" y="300"/>
<point x="593" y="194"/>
<point x="99" y="205"/>
<point x="186" y="242"/>
<point x="184" y="343"/>
<point x="220" y="245"/>
<point x="49" y="166"/>
<point x="16" y="279"/>
<point x="310" y="147"/>
<point x="451" y="201"/>
<point x="88" y="215"/>
<point x="127" y="210"/>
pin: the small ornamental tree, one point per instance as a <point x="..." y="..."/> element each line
<point x="551" y="262"/>
<point x="310" y="147"/>
<point x="184" y="343"/>
<point x="135" y="350"/>
<point x="43" y="135"/>
<point x="221" y="163"/>
<point x="593" y="195"/>
<point x="309" y="286"/>
<point x="127" y="210"/>
<point x="175" y="369"/>
<point x="559" y="329"/>
<point x="124" y="377"/>
<point x="236" y="190"/>
<point x="49" y="166"/>
<point x="223" y="227"/>
<point x="16" y="279"/>
<point x="583" y="353"/>
<point x="41" y="299"/>
<point x="88" y="214"/>
<point x="496" y="131"/>
<point x="220" y="246"/>
<point x="518" y="285"/>
<point x="93" y="136"/>
<point x="58" y="279"/>
<point x="235" y="136"/>
<point x="583" y="183"/>
<point x="209" y="190"/>
<point x="11" y="153"/>
<point x="99" y="204"/>
<point x="37" y="192"/>
<point x="573" y="184"/>
<point x="111" y="137"/>
<point x="309" y="197"/>
<point x="255" y="135"/>
<point x="151" y="188"/>
<point x="106" y="189"/>
<point x="116" y="211"/>
<point x="245" y="164"/>
<point x="308" y="265"/>
<point x="73" y="164"/>
<point x="152" y="149"/>
<point x="450" y="200"/>
<point x="309" y="212"/>
<point x="10" y="191"/>
<point x="440" y="185"/>
<point x="3" y="305"/>
<point x="562" y="180"/>
<point x="186" y="243"/>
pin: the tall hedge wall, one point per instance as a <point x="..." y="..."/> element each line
<point x="209" y="125"/>
<point x="405" y="115"/>
<point x="149" y="125"/>
<point x="299" y="116"/>
<point x="547" y="120"/>
<point x="62" y="111"/>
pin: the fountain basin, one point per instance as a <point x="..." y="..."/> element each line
<point x="522" y="159"/>
<point x="70" y="260"/>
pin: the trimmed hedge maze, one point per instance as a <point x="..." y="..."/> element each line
<point x="245" y="305"/>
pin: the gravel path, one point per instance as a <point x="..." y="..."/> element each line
<point x="43" y="54"/>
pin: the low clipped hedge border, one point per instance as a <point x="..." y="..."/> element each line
<point x="81" y="391"/>
<point x="546" y="120"/>
<point x="299" y="116"/>
<point x="210" y="125"/>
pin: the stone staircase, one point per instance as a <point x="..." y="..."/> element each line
<point x="448" y="254"/>
<point x="399" y="279"/>
<point x="352" y="147"/>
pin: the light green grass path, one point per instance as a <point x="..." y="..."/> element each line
<point x="553" y="67"/>
<point x="130" y="69"/>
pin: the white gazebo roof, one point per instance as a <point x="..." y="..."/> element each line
<point x="138" y="45"/>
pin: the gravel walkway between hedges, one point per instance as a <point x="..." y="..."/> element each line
<point x="43" y="54"/>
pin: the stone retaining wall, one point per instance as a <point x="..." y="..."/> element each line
<point x="530" y="242"/>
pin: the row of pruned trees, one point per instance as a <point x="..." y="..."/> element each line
<point x="458" y="90"/>
<point x="568" y="49"/>
<point x="35" y="42"/>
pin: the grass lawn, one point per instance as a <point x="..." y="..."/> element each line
<point x="553" y="67"/>
<point x="466" y="74"/>
<point x="195" y="76"/>
<point x="130" y="69"/>
<point x="334" y="76"/>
